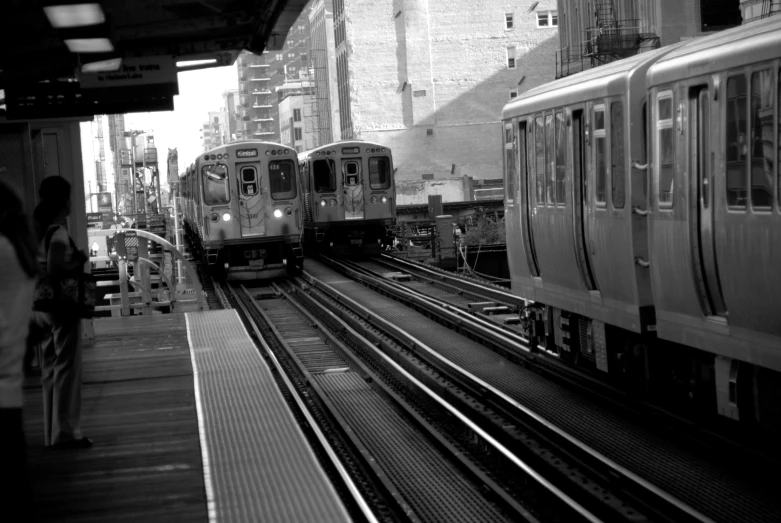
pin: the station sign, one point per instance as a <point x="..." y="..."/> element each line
<point x="133" y="72"/>
<point x="105" y="202"/>
<point x="246" y="153"/>
<point x="95" y="220"/>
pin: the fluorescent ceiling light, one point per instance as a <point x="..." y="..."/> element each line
<point x="192" y="63"/>
<point x="104" y="65"/>
<point x="90" y="45"/>
<point x="76" y="15"/>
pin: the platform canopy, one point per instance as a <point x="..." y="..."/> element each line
<point x="79" y="58"/>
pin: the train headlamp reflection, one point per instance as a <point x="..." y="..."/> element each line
<point x="215" y="217"/>
<point x="374" y="199"/>
<point x="277" y="213"/>
<point x="226" y="216"/>
<point x="322" y="203"/>
<point x="384" y="199"/>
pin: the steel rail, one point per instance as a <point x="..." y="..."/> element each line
<point x="686" y="512"/>
<point x="343" y="474"/>
<point x="495" y="444"/>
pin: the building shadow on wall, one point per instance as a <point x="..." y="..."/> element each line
<point x="404" y="90"/>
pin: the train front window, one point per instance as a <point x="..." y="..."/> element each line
<point x="323" y="175"/>
<point x="281" y="175"/>
<point x="762" y="139"/>
<point x="379" y="173"/>
<point x="664" y="126"/>
<point x="249" y="181"/>
<point x="216" y="189"/>
<point x="599" y="154"/>
<point x="737" y="147"/>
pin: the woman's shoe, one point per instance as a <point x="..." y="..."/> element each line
<point x="83" y="443"/>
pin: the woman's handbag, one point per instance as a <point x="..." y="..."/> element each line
<point x="72" y="294"/>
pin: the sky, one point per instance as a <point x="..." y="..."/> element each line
<point x="199" y="92"/>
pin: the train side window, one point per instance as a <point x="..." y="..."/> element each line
<point x="762" y="140"/>
<point x="216" y="189"/>
<point x="379" y="172"/>
<point x="324" y="175"/>
<point x="617" y="154"/>
<point x="561" y="158"/>
<point x="281" y="174"/>
<point x="737" y="148"/>
<point x="600" y="167"/>
<point x="550" y="172"/>
<point x="666" y="152"/>
<point x="523" y="168"/>
<point x="539" y="137"/>
<point x="509" y="162"/>
<point x="249" y="181"/>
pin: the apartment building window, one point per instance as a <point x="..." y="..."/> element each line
<point x="510" y="57"/>
<point x="297" y="133"/>
<point x="547" y="18"/>
<point x="304" y="57"/>
<point x="279" y="57"/>
<point x="299" y="148"/>
<point x="513" y="93"/>
<point x="291" y="56"/>
<point x="508" y="20"/>
<point x="296" y="115"/>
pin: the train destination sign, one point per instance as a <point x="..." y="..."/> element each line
<point x="351" y="150"/>
<point x="133" y="72"/>
<point x="246" y="153"/>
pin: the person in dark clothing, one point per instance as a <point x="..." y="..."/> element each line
<point x="17" y="284"/>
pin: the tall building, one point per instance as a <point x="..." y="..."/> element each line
<point x="758" y="9"/>
<point x="322" y="70"/>
<point x="296" y="123"/>
<point x="597" y="32"/>
<point x="261" y="76"/>
<point x="216" y="130"/>
<point x="429" y="79"/>
<point x="230" y="103"/>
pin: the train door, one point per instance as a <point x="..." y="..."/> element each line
<point x="703" y="237"/>
<point x="525" y="168"/>
<point x="352" y="183"/>
<point x="582" y="218"/>
<point x="252" y="219"/>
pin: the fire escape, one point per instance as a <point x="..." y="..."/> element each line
<point x="606" y="41"/>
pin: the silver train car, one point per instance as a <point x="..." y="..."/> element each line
<point x="349" y="197"/>
<point x="242" y="210"/>
<point x="643" y="211"/>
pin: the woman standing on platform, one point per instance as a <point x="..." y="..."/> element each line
<point x="61" y="361"/>
<point x="18" y="268"/>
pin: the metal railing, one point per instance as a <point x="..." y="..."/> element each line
<point x="131" y="247"/>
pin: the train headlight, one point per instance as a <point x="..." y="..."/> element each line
<point x="384" y="199"/>
<point x="333" y="202"/>
<point x="322" y="203"/>
<point x="277" y="213"/>
<point x="289" y="211"/>
<point x="226" y="216"/>
<point x="215" y="217"/>
<point x="374" y="199"/>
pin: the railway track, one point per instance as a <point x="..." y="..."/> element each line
<point x="417" y="464"/>
<point x="502" y="392"/>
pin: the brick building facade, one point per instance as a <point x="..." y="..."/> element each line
<point x="429" y="79"/>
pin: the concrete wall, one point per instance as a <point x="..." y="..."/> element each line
<point x="420" y="65"/>
<point x="411" y="192"/>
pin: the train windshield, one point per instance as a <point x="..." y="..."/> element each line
<point x="282" y="179"/>
<point x="216" y="190"/>
<point x="379" y="173"/>
<point x="323" y="176"/>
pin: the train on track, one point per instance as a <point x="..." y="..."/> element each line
<point x="349" y="197"/>
<point x="242" y="211"/>
<point x="643" y="213"/>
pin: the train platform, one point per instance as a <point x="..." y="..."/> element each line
<point x="188" y="425"/>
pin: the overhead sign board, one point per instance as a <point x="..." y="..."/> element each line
<point x="133" y="72"/>
<point x="246" y="153"/>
